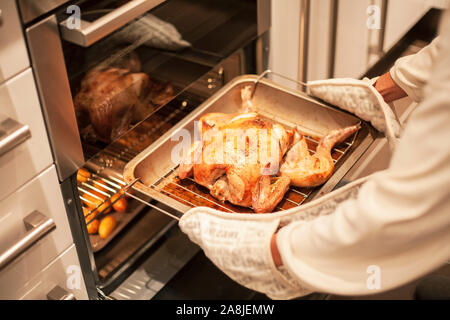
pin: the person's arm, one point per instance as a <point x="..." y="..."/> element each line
<point x="397" y="229"/>
<point x="388" y="89"/>
<point x="274" y="250"/>
<point x="413" y="72"/>
<point x="410" y="74"/>
<point x="399" y="223"/>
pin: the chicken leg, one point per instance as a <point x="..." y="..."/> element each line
<point x="266" y="195"/>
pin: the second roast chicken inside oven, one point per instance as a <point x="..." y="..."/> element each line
<point x="251" y="162"/>
<point x="114" y="96"/>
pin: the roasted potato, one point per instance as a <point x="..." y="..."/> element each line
<point x="83" y="175"/>
<point x="107" y="225"/>
<point x="92" y="227"/>
<point x="120" y="205"/>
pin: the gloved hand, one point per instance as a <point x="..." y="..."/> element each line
<point x="239" y="244"/>
<point x="360" y="98"/>
<point x="241" y="249"/>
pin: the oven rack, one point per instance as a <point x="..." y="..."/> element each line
<point x="190" y="193"/>
<point x="170" y="185"/>
<point x="102" y="188"/>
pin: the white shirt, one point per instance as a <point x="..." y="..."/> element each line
<point x="398" y="227"/>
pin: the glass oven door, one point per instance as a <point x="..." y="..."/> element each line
<point x="124" y="62"/>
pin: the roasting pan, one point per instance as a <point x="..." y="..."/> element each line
<point x="153" y="173"/>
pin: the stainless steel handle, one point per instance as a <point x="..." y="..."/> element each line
<point x="126" y="190"/>
<point x="305" y="8"/>
<point x="58" y="293"/>
<point x="268" y="71"/>
<point x="90" y="32"/>
<point x="12" y="134"/>
<point x="38" y="226"/>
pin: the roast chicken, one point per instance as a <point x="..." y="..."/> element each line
<point x="109" y="97"/>
<point x="114" y="96"/>
<point x="249" y="161"/>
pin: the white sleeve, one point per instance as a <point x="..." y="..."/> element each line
<point x="411" y="73"/>
<point x="398" y="227"/>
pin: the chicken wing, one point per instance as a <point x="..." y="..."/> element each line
<point x="306" y="170"/>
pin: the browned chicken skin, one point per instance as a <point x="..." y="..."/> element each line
<point x="306" y="170"/>
<point x="237" y="161"/>
<point x="229" y="160"/>
<point x="115" y="94"/>
<point x="236" y="173"/>
<point x="109" y="96"/>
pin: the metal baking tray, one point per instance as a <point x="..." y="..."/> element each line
<point x="153" y="173"/>
<point x="122" y="219"/>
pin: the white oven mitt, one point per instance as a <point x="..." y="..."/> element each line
<point x="360" y="98"/>
<point x="241" y="249"/>
<point x="239" y="244"/>
<point x="152" y="32"/>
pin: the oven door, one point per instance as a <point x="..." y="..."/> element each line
<point x="114" y="76"/>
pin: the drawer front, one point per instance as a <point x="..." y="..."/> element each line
<point x="19" y="102"/>
<point x="43" y="195"/>
<point x="64" y="272"/>
<point x="13" y="52"/>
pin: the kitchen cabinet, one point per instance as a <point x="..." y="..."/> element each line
<point x="284" y="39"/>
<point x="38" y="258"/>
<point x="402" y="15"/>
<point x="13" y="53"/>
<point x="355" y="44"/>
<point x="19" y="101"/>
<point x="62" y="276"/>
<point x="41" y="195"/>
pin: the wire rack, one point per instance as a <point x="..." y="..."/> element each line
<point x="190" y="193"/>
<point x="100" y="185"/>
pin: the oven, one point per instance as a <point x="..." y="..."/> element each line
<point x="163" y="56"/>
